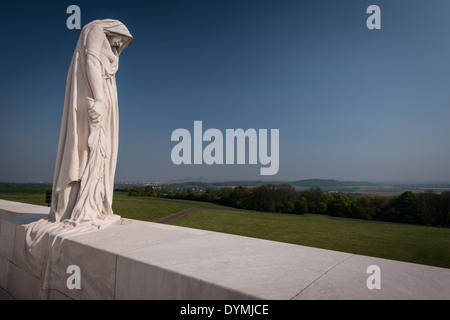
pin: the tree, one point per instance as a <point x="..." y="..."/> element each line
<point x="404" y="208"/>
<point x="314" y="198"/>
<point x="301" y="205"/>
<point x="340" y="205"/>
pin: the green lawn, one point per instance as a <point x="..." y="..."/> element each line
<point x="417" y="244"/>
<point x="139" y="208"/>
<point x="146" y="208"/>
<point x="33" y="198"/>
<point x="196" y="203"/>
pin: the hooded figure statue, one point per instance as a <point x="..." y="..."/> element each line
<point x="87" y="152"/>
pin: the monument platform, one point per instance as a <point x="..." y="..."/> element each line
<point x="142" y="260"/>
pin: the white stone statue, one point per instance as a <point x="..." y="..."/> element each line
<point x="87" y="152"/>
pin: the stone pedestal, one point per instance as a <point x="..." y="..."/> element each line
<point x="143" y="260"/>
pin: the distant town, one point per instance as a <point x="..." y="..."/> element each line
<point x="331" y="186"/>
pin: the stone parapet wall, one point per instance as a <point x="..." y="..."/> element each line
<point x="142" y="260"/>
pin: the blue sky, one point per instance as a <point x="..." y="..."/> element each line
<point x="350" y="103"/>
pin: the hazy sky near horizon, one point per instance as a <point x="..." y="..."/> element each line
<point x="350" y="103"/>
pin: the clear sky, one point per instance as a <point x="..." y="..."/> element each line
<point x="350" y="103"/>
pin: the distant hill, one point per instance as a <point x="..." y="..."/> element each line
<point x="307" y="183"/>
<point x="328" y="183"/>
<point x="200" y="183"/>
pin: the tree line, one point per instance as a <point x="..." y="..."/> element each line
<point x="425" y="208"/>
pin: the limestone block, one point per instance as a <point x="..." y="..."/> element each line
<point x="7" y="236"/>
<point x="13" y="207"/>
<point x="133" y="234"/>
<point x="56" y="295"/>
<point x="398" y="280"/>
<point x="139" y="280"/>
<point x="5" y="295"/>
<point x="17" y="242"/>
<point x="21" y="284"/>
<point x="223" y="266"/>
<point x="4" y="268"/>
<point x="143" y="260"/>
<point x="7" y="215"/>
<point x="97" y="271"/>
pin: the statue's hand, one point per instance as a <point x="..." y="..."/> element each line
<point x="96" y="111"/>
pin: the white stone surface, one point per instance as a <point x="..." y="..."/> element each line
<point x="252" y="267"/>
<point x="21" y="284"/>
<point x="399" y="280"/>
<point x="142" y="260"/>
<point x="4" y="269"/>
<point x="8" y="207"/>
<point x="5" y="295"/>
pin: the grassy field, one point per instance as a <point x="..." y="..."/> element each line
<point x="33" y="198"/>
<point x="145" y="208"/>
<point x="139" y="208"/>
<point x="417" y="244"/>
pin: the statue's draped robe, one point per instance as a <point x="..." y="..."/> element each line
<point x="87" y="152"/>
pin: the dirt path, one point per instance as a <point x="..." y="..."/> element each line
<point x="195" y="207"/>
<point x="178" y="215"/>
